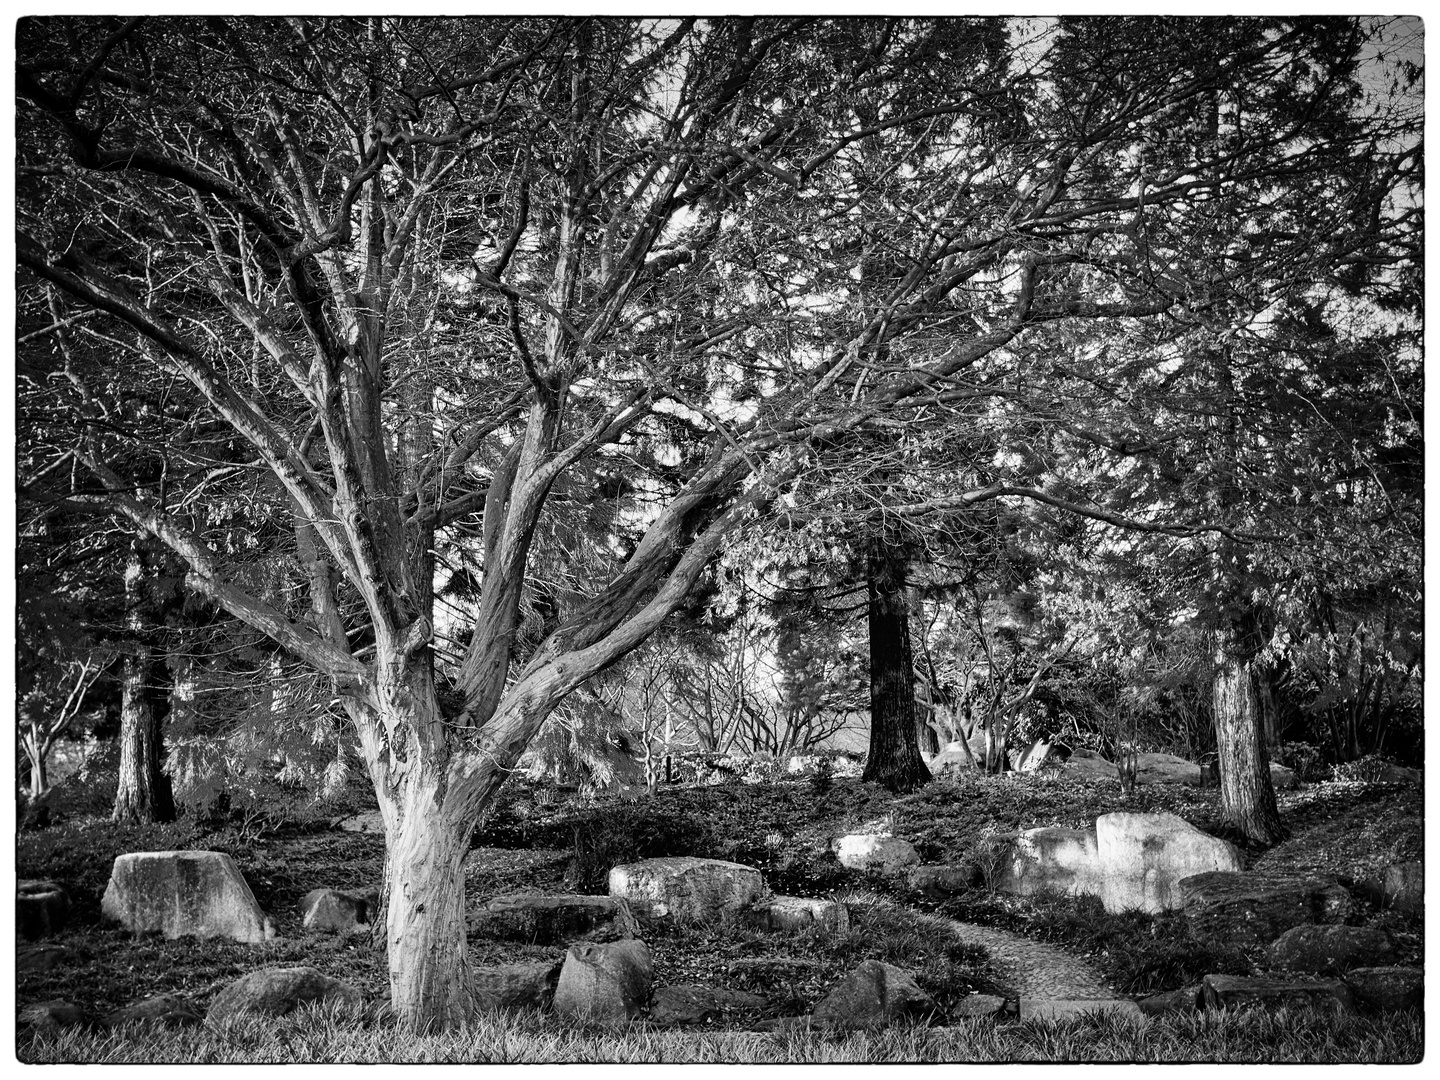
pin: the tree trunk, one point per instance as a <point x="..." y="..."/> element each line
<point x="425" y="920"/>
<point x="894" y="760"/>
<point x="39" y="781"/>
<point x="142" y="793"/>
<point x="1247" y="796"/>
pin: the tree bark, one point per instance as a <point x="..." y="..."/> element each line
<point x="142" y="792"/>
<point x="39" y="780"/>
<point x="430" y="983"/>
<point x="894" y="760"/>
<point x="1247" y="796"/>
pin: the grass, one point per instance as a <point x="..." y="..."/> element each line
<point x="784" y="829"/>
<point x="321" y="1036"/>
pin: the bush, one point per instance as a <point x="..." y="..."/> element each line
<point x="616" y="833"/>
<point x="1306" y="759"/>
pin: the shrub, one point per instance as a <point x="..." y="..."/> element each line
<point x="617" y="833"/>
<point x="1367" y="769"/>
<point x="1306" y="759"/>
<point x="823" y="778"/>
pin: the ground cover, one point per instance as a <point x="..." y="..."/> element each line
<point x="535" y="842"/>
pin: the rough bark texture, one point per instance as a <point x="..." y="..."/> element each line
<point x="425" y="920"/>
<point x="1247" y="797"/>
<point x="894" y="760"/>
<point x="142" y="793"/>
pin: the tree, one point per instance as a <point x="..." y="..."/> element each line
<point x="894" y="760"/>
<point x="45" y="718"/>
<point x="414" y="274"/>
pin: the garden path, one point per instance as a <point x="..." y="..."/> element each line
<point x="1022" y="967"/>
<point x="1027" y="968"/>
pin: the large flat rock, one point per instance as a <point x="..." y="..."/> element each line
<point x="528" y="984"/>
<point x="184" y="894"/>
<point x="277" y="991"/>
<point x="798" y="913"/>
<point x="1141" y="859"/>
<point x="1273" y="992"/>
<point x="1033" y="1008"/>
<point x="687" y="889"/>
<point x="1387" y="988"/>
<point x="1167" y="769"/>
<point x="1329" y="949"/>
<point x="1255" y="909"/>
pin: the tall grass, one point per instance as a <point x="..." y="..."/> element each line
<point x="319" y="1036"/>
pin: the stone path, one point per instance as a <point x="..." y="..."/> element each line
<point x="1024" y="968"/>
<point x="1029" y="969"/>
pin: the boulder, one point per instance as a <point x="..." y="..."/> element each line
<point x="952" y="761"/>
<point x="978" y="1006"/>
<point x="795" y="913"/>
<point x="944" y="880"/>
<point x="1330" y="901"/>
<point x="1282" y="778"/>
<point x="1167" y="769"/>
<point x="1142" y="857"/>
<point x="184" y="893"/>
<point x="604" y="982"/>
<point x="1272" y="992"/>
<point x="1323" y="950"/>
<point x="1399" y="774"/>
<point x="693" y="1004"/>
<point x="1050" y="859"/>
<point x="339" y="911"/>
<point x="1088" y="768"/>
<point x="40" y="958"/>
<point x="871" y="851"/>
<point x="166" y="1010"/>
<point x="368" y="821"/>
<point x="1254" y="909"/>
<point x="687" y="889"/>
<point x="551" y="920"/>
<point x="526" y="985"/>
<point x="1387" y="989"/>
<point x="41" y="909"/>
<point x="277" y="991"/>
<point x="1403" y="886"/>
<point x="1186" y="999"/>
<point x="53" y="1014"/>
<point x="1034" y="1008"/>
<point x="875" y="993"/>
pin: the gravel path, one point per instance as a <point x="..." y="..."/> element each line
<point x="1029" y="969"/>
<point x="1023" y="968"/>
